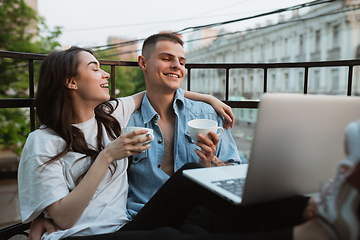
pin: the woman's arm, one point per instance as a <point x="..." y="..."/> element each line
<point x="68" y="210"/>
<point x="138" y="97"/>
<point x="218" y="105"/>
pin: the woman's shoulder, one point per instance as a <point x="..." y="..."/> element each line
<point x="43" y="133"/>
<point x="43" y="141"/>
<point x="122" y="101"/>
<point x="124" y="108"/>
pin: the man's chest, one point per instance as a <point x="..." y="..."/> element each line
<point x="168" y="133"/>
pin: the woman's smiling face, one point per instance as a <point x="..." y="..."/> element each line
<point x="91" y="81"/>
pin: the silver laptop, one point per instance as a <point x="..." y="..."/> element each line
<point x="298" y="142"/>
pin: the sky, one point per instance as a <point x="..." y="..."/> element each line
<point x="89" y="23"/>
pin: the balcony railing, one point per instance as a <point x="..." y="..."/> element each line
<point x="223" y="67"/>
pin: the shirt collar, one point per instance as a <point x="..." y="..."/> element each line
<point x="179" y="100"/>
<point x="148" y="112"/>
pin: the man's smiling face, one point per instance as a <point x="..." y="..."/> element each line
<point x="165" y="67"/>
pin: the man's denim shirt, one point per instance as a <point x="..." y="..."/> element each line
<point x="145" y="173"/>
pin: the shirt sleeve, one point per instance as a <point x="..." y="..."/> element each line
<point x="40" y="183"/>
<point x="124" y="110"/>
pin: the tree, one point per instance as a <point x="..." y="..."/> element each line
<point x="19" y="32"/>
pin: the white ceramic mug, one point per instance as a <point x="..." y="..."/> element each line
<point x="149" y="133"/>
<point x="203" y="126"/>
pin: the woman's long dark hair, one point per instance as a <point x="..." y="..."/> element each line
<point x="54" y="106"/>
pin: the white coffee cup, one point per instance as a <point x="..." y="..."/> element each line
<point x="203" y="126"/>
<point x="149" y="133"/>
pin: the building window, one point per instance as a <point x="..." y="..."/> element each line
<point x="251" y="54"/>
<point x="335" y="36"/>
<point x="317" y="81"/>
<point x="235" y="87"/>
<point x="273" y="49"/>
<point x="260" y="83"/>
<point x="335" y="80"/>
<point x="273" y="82"/>
<point x="301" y="45"/>
<point x="301" y="81"/>
<point x="286" y="82"/>
<point x="317" y="41"/>
<point x="251" y="84"/>
<point x="242" y="85"/>
<point x="285" y="47"/>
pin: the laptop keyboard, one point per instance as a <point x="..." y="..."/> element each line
<point x="234" y="185"/>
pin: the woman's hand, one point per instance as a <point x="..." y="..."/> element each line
<point x="220" y="107"/>
<point x="39" y="226"/>
<point x="225" y="111"/>
<point x="125" y="145"/>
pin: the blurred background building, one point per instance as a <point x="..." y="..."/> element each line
<point x="326" y="32"/>
<point x="127" y="50"/>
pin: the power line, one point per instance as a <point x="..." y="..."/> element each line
<point x="256" y="29"/>
<point x="296" y="7"/>
<point x="196" y="28"/>
<point x="122" y="53"/>
<point x="116" y="45"/>
<point x="216" y="36"/>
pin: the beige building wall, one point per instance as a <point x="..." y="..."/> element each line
<point x="126" y="52"/>
<point x="33" y="28"/>
<point x="32" y="3"/>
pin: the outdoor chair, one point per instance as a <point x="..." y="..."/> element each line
<point x="19" y="230"/>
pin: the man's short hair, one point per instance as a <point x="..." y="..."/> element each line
<point x="150" y="42"/>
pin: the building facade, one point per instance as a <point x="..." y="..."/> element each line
<point x="33" y="28"/>
<point x="128" y="51"/>
<point x="326" y="32"/>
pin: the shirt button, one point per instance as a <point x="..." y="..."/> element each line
<point x="159" y="166"/>
<point x="156" y="117"/>
<point x="160" y="141"/>
<point x="136" y="158"/>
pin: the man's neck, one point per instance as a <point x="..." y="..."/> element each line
<point x="162" y="103"/>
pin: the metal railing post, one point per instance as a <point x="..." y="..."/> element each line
<point x="112" y="75"/>
<point x="306" y="79"/>
<point x="188" y="79"/>
<point x="350" y="75"/>
<point x="32" y="94"/>
<point x="265" y="80"/>
<point x="227" y="70"/>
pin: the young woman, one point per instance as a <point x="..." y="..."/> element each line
<point x="73" y="169"/>
<point x="77" y="160"/>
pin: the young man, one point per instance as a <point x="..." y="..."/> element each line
<point x="165" y="110"/>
